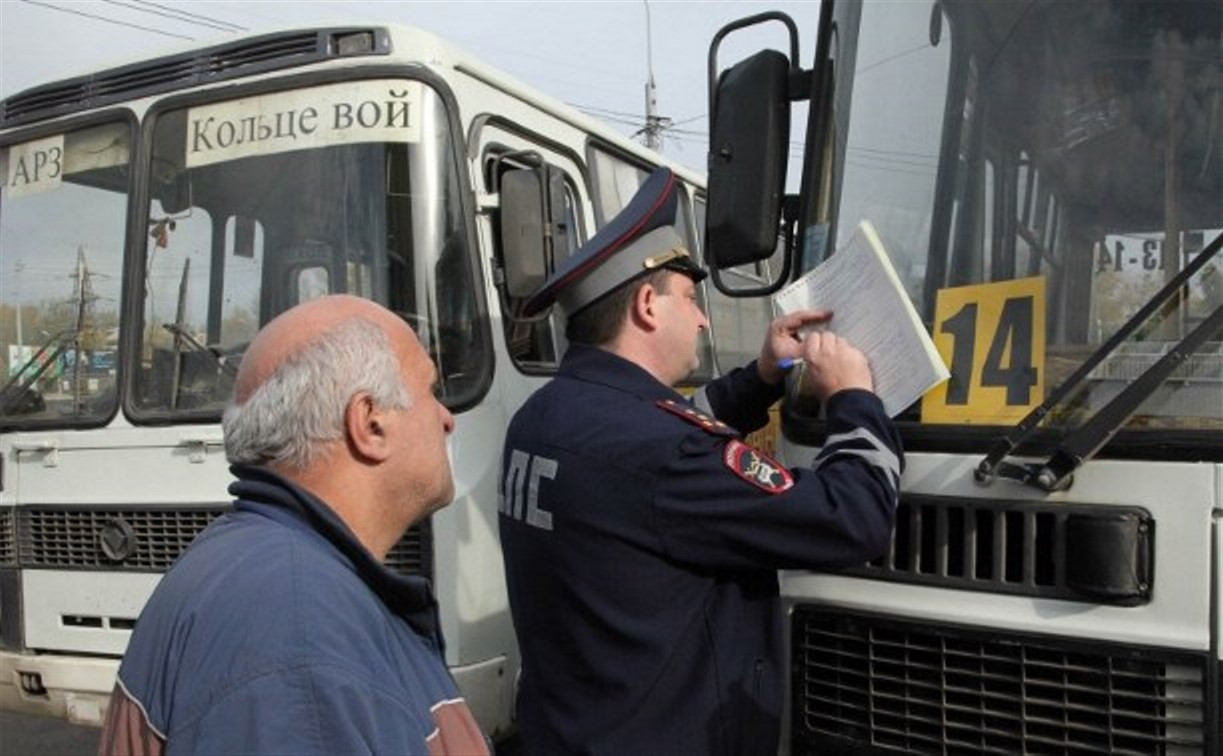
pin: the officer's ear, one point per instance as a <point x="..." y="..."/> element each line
<point x="644" y="308"/>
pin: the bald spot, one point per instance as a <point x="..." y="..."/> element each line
<point x="294" y="329"/>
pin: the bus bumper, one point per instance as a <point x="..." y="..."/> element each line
<point x="78" y="688"/>
<point x="488" y="688"/>
<point x="75" y="688"/>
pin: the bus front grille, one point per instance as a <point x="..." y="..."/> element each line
<point x="8" y="538"/>
<point x="148" y="539"/>
<point x="865" y="681"/>
<point x="1020" y="547"/>
<point x="135" y="540"/>
<point x="413" y="554"/>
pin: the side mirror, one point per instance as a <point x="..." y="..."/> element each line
<point x="748" y="146"/>
<point x="532" y="226"/>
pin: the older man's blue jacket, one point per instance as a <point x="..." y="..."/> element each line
<point x="276" y="632"/>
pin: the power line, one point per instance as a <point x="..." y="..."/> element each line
<point x="890" y="58"/>
<point x="590" y="108"/>
<point x="893" y="152"/>
<point x="556" y="62"/>
<point x="109" y="20"/>
<point x="235" y="27"/>
<point x="699" y="141"/>
<point x="923" y="174"/>
<point x="889" y="160"/>
<point x="634" y="122"/>
<point x="689" y="120"/>
<point x="172" y="16"/>
<point x="672" y="130"/>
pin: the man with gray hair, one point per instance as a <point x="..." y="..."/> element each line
<point x="279" y="629"/>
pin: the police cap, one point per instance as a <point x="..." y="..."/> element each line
<point x="639" y="240"/>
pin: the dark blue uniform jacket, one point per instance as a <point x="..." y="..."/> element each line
<point x="641" y="549"/>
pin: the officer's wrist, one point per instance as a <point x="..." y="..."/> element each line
<point x="773" y="376"/>
<point x="775" y="390"/>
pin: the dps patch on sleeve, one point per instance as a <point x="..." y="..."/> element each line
<point x="756" y="467"/>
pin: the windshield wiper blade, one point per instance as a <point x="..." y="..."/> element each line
<point x="993" y="464"/>
<point x="223" y="362"/>
<point x="15" y="391"/>
<point x="1082" y="444"/>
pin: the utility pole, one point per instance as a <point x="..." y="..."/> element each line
<point x="17" y="271"/>
<point x="84" y="302"/>
<point x="654" y="124"/>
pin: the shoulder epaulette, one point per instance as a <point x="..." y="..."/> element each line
<point x="697" y="418"/>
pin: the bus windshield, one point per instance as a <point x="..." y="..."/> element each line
<point x="1037" y="171"/>
<point x="260" y="203"/>
<point x="62" y="221"/>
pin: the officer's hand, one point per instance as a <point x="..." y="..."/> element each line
<point x="785" y="342"/>
<point x="832" y="364"/>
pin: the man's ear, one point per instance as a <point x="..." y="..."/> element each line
<point x="365" y="428"/>
<point x="645" y="311"/>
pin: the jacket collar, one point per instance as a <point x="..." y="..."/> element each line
<point x="410" y="597"/>
<point x="594" y="365"/>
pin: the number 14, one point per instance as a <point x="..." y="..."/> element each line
<point x="992" y="337"/>
<point x="1014" y="330"/>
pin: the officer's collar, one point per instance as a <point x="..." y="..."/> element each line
<point x="595" y="365"/>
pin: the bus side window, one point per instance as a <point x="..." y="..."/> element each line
<point x="691" y="229"/>
<point x="312" y="283"/>
<point x="616" y="180"/>
<point x="738" y="325"/>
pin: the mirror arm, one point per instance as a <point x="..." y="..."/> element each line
<point x="759" y="18"/>
<point x="503" y="297"/>
<point x="789" y="221"/>
<point x="800" y="84"/>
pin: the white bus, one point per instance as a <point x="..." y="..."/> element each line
<point x="1047" y="178"/>
<point x="154" y="215"/>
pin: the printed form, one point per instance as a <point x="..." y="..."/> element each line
<point x="872" y="311"/>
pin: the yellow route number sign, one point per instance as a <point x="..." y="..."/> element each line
<point x="992" y="338"/>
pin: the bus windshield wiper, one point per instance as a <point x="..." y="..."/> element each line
<point x="16" y="391"/>
<point x="1082" y="443"/>
<point x="223" y="362"/>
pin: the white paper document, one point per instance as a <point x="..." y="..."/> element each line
<point x="872" y="311"/>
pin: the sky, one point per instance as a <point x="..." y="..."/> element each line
<point x="591" y="54"/>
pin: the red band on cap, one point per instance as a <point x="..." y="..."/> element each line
<point x="620" y="241"/>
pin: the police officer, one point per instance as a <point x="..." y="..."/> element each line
<point x="642" y="535"/>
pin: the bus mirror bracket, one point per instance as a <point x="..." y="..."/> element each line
<point x="749" y="143"/>
<point x="174" y="192"/>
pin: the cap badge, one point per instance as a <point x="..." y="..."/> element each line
<point x="670" y="256"/>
